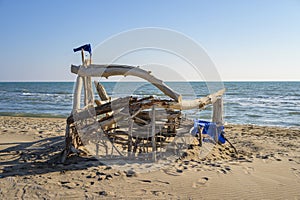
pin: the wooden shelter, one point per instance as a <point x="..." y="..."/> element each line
<point x="130" y="126"/>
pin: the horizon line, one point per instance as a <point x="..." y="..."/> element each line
<point x="72" y="81"/>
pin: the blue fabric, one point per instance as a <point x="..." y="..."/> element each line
<point x="209" y="128"/>
<point x="86" y="47"/>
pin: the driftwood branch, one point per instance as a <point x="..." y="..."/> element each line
<point x="200" y="103"/>
<point x="107" y="107"/>
<point x="124" y="70"/>
<point x="101" y="91"/>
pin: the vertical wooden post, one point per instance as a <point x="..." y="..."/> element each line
<point x="89" y="92"/>
<point x="84" y="80"/>
<point x="218" y="115"/>
<point x="153" y="133"/>
<point x="130" y="138"/>
<point x="87" y="83"/>
<point x="68" y="141"/>
<point x="77" y="93"/>
<point x="218" y="111"/>
<point x="200" y="136"/>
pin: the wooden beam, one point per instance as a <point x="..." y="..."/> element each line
<point x="124" y="70"/>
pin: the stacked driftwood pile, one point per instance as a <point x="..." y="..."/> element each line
<point x="129" y="125"/>
<point x="133" y="125"/>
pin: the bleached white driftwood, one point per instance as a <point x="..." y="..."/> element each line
<point x="77" y="93"/>
<point x="124" y="70"/>
<point x="153" y="134"/>
<point x="84" y="80"/>
<point x="218" y="114"/>
<point x="101" y="91"/>
<point x="88" y="91"/>
<point x="218" y="111"/>
<point x="199" y="103"/>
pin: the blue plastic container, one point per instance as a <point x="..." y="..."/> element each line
<point x="209" y="128"/>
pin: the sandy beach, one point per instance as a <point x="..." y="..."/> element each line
<point x="267" y="166"/>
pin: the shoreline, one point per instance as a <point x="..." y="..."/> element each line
<point x="267" y="166"/>
<point x="38" y="116"/>
<point x="25" y="115"/>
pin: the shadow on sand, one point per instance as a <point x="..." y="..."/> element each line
<point x="40" y="157"/>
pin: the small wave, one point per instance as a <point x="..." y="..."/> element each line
<point x="253" y="115"/>
<point x="27" y="94"/>
<point x="63" y="92"/>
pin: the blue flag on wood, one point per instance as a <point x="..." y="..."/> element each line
<point x="86" y="47"/>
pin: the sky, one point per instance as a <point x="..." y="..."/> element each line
<point x="257" y="40"/>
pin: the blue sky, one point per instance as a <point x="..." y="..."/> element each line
<point x="247" y="40"/>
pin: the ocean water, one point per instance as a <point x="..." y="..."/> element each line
<point x="260" y="103"/>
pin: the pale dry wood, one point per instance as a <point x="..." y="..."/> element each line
<point x="153" y="132"/>
<point x="103" y="97"/>
<point x="101" y="91"/>
<point x="84" y="79"/>
<point x="77" y="93"/>
<point x="89" y="91"/>
<point x="218" y="115"/>
<point x="199" y="103"/>
<point x="218" y="112"/>
<point x="105" y="108"/>
<point x="124" y="70"/>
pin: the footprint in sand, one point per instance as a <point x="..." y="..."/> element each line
<point x="248" y="170"/>
<point x="296" y="172"/>
<point x="201" y="182"/>
<point x="157" y="193"/>
<point x="173" y="171"/>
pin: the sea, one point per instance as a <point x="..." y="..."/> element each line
<point x="257" y="103"/>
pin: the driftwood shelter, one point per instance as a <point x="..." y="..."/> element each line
<point x="133" y="128"/>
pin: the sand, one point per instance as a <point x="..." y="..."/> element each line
<point x="267" y="166"/>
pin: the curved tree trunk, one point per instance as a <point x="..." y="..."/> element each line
<point x="124" y="70"/>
